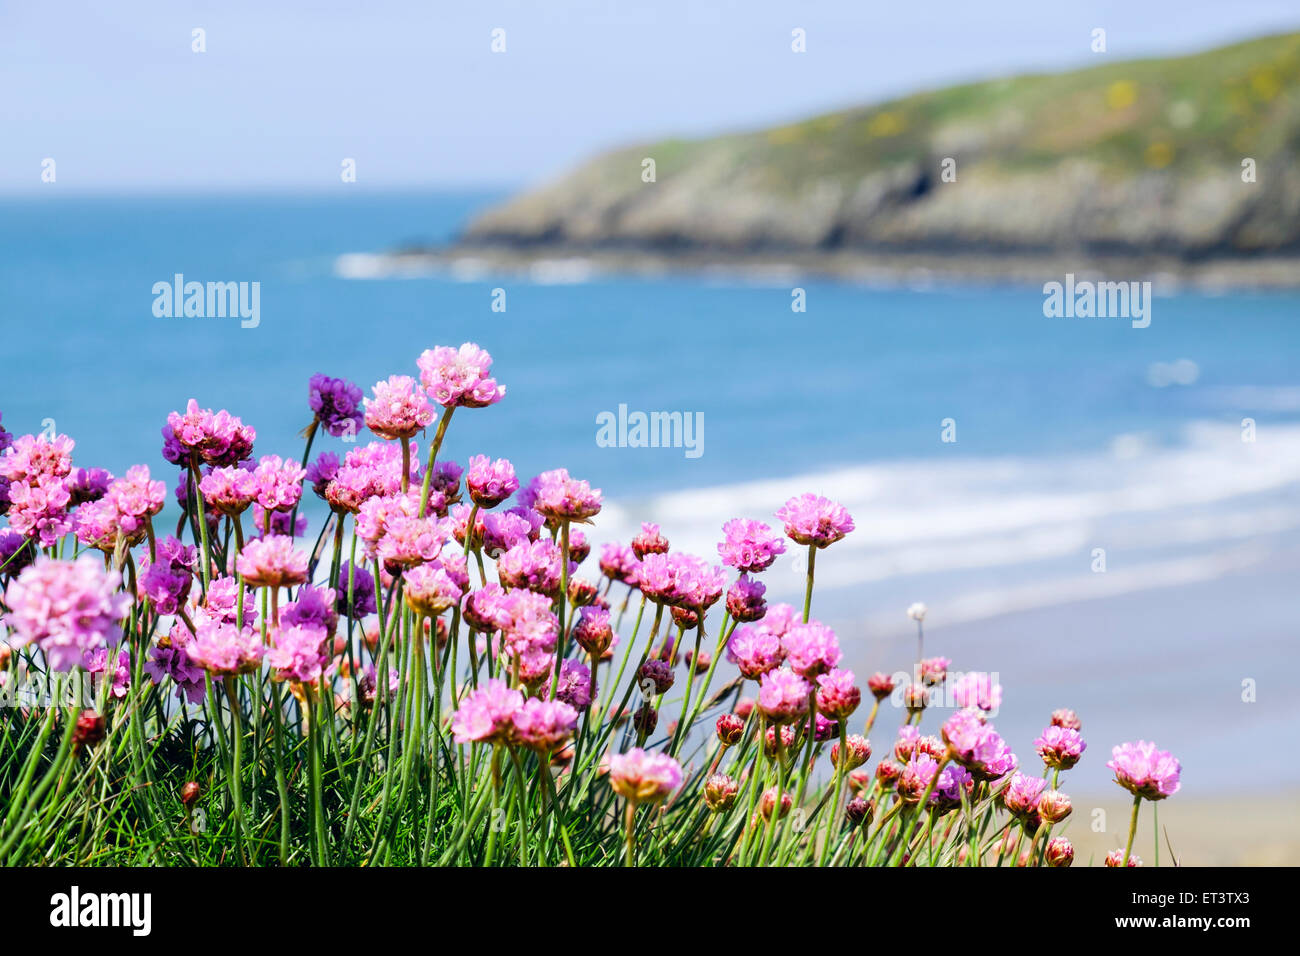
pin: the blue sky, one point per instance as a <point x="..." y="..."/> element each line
<point x="411" y="91"/>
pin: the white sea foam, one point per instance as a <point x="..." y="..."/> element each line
<point x="1195" y="510"/>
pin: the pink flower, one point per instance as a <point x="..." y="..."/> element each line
<point x="977" y="746"/>
<point x="880" y="684"/>
<point x="39" y="510"/>
<point x="649" y="541"/>
<point x="1115" y="858"/>
<point x="1022" y="793"/>
<point x="754" y="651"/>
<point x="398" y="409"/>
<point x="859" y="752"/>
<point x="575" y="687"/>
<point x="916" y="777"/>
<point x="486" y="715"/>
<point x="490" y="482"/>
<point x="430" y="590"/>
<point x="530" y="622"/>
<point x="505" y="529"/>
<point x="837" y="695"/>
<point x="749" y="546"/>
<point x="1060" y="747"/>
<point x="813" y="520"/>
<point x="642" y="777"/>
<point x="934" y="670"/>
<point x="409" y="541"/>
<point x="223" y="650"/>
<point x="272" y="562"/>
<point x="534" y="566"/>
<point x="811" y="649"/>
<point x="229" y="490"/>
<point x="485" y="609"/>
<point x="279" y="483"/>
<point x="977" y="689"/>
<point x="136" y="499"/>
<point x="618" y="562"/>
<point x="563" y="498"/>
<point x="1144" y="771"/>
<point x="544" y="725"/>
<point x="66" y="608"/>
<point x="220" y="439"/>
<point x="33" y="457"/>
<point x="592" y="630"/>
<point x="783" y="696"/>
<point x="299" y="653"/>
<point x="459" y="377"/>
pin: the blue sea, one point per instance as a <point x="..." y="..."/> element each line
<point x="1071" y="435"/>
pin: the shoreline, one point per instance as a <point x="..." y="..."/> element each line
<point x="563" y="264"/>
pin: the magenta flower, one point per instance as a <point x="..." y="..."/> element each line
<point x="783" y="696"/>
<point x="87" y="484"/>
<point x="505" y="529"/>
<point x="563" y="498"/>
<point x="780" y="618"/>
<point x="336" y="404"/>
<point x="222" y="601"/>
<point x="529" y="621"/>
<point x="39" y="510"/>
<point x="363" y="592"/>
<point x="229" y="490"/>
<point x="814" y="520"/>
<point x="837" y="694"/>
<point x="486" y="715"/>
<point x="398" y="409"/>
<point x="544" y="725"/>
<point x="749" y="546"/>
<point x="66" y="608"/>
<point x="430" y="590"/>
<point x="649" y="541"/>
<point x="459" y="377"/>
<point x="409" y="541"/>
<point x="298" y="653"/>
<point x="272" y="562"/>
<point x="223" y="650"/>
<point x="977" y="746"/>
<point x="754" y="651"/>
<point x="490" y="482"/>
<point x="698" y="583"/>
<point x="136" y="499"/>
<point x="165" y="583"/>
<point x="97" y="662"/>
<point x="1060" y="747"/>
<point x="34" y="457"/>
<point x="916" y="776"/>
<point x="811" y="649"/>
<point x="1145" y="771"/>
<point x="642" y="777"/>
<point x="977" y="689"/>
<point x="934" y="670"/>
<point x="486" y="610"/>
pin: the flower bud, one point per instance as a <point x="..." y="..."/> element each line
<point x="645" y="719"/>
<point x="730" y="729"/>
<point x="1067" y="719"/>
<point x="858" y="811"/>
<point x="659" y="672"/>
<point x="720" y="792"/>
<point x="767" y="803"/>
<point x="859" y="752"/>
<point x="860" y="781"/>
<point x="914" y="698"/>
<point x="1059" y="852"/>
<point x="581" y="592"/>
<point x="888" y="772"/>
<point x="190" y="793"/>
<point x="1115" y="858"/>
<point x="89" y="730"/>
<point x="1054" y="806"/>
<point x="880" y="685"/>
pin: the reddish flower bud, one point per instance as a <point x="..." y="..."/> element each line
<point x="645" y="719"/>
<point x="1067" y="719"/>
<point x="1054" y="806"/>
<point x="1059" y="852"/>
<point x="720" y="792"/>
<point x="767" y="804"/>
<point x="659" y="673"/>
<point x="881" y="685"/>
<point x="858" y="811"/>
<point x="89" y="730"/>
<point x="730" y="729"/>
<point x="859" y="752"/>
<point x="190" y="793"/>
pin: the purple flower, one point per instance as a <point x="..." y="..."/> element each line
<point x="745" y="600"/>
<point x="313" y="607"/>
<point x="1145" y="771"/>
<point x="486" y="715"/>
<point x="66" y="608"/>
<point x="15" y="554"/>
<point x="87" y="484"/>
<point x="459" y="377"/>
<point x="505" y="529"/>
<point x="363" y="592"/>
<point x="398" y="409"/>
<point x="321" y="472"/>
<point x="575" y="686"/>
<point x="165" y="582"/>
<point x="783" y="696"/>
<point x="814" y="520"/>
<point x="749" y="546"/>
<point x="170" y="659"/>
<point x="336" y="403"/>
